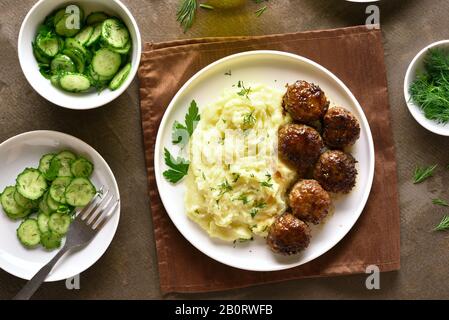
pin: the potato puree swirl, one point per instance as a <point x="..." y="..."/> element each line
<point x="236" y="185"/>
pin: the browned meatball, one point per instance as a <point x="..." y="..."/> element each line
<point x="309" y="201"/>
<point x="305" y="102"/>
<point x="341" y="128"/>
<point x="300" y="146"/>
<point x="288" y="235"/>
<point x="335" y="171"/>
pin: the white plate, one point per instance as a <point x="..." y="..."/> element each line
<point x="274" y="69"/>
<point x="24" y="151"/>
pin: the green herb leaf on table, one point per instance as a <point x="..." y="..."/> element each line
<point x="186" y="13"/>
<point x="423" y="173"/>
<point x="261" y="11"/>
<point x="206" y="6"/>
<point x="178" y="167"/>
<point x="443" y="225"/>
<point x="440" y="202"/>
<point x="181" y="132"/>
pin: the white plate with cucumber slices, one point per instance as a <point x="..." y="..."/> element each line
<point x="20" y="157"/>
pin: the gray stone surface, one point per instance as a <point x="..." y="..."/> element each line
<point x="128" y="270"/>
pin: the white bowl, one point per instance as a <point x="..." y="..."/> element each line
<point x="416" y="66"/>
<point x="77" y="101"/>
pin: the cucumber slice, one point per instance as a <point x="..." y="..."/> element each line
<point x="63" y="161"/>
<point x="96" y="17"/>
<point x="50" y="240"/>
<point x="59" y="223"/>
<point x="82" y="168"/>
<point x="84" y="35"/>
<point x="106" y="62"/>
<point x="52" y="204"/>
<point x="96" y="35"/>
<point x="10" y="206"/>
<point x="54" y="80"/>
<point x="115" y="33"/>
<point x="31" y="184"/>
<point x="48" y="44"/>
<point x="28" y="233"/>
<point x="58" y="16"/>
<point x="24" y="202"/>
<point x="74" y="82"/>
<point x="73" y="43"/>
<point x="123" y="50"/>
<point x="62" y="63"/>
<point x="58" y="189"/>
<point x="42" y="222"/>
<point x="40" y="57"/>
<point x="80" y="192"/>
<point x="44" y="163"/>
<point x="43" y="205"/>
<point x="77" y="57"/>
<point x="62" y="29"/>
<point x="120" y="77"/>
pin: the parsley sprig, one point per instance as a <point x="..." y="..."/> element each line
<point x="178" y="167"/>
<point x="181" y="132"/>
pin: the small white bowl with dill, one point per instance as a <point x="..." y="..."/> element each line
<point x="426" y="87"/>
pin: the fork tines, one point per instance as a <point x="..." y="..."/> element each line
<point x="99" y="210"/>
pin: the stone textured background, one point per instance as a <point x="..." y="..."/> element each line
<point x="128" y="270"/>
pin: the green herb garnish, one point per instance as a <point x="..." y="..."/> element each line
<point x="260" y="11"/>
<point x="243" y="198"/>
<point x="229" y="73"/>
<point x="244" y="92"/>
<point x="443" y="225"/>
<point x="206" y="6"/>
<point x="181" y="132"/>
<point x="236" y="177"/>
<point x="178" y="167"/>
<point x="186" y="13"/>
<point x="267" y="183"/>
<point x="224" y="187"/>
<point x="423" y="173"/>
<point x="249" y="119"/>
<point x="440" y="202"/>
<point x="430" y="90"/>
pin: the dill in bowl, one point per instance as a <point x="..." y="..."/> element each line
<point x="430" y="90"/>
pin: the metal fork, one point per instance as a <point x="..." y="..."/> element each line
<point x="82" y="230"/>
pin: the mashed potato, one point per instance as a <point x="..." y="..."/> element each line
<point x="236" y="185"/>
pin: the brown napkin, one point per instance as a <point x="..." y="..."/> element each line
<point x="356" y="56"/>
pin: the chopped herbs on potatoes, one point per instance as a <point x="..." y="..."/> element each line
<point x="430" y="90"/>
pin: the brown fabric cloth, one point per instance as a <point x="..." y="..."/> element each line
<point x="356" y="56"/>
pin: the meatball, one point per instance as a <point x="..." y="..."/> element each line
<point x="305" y="102"/>
<point x="341" y="128"/>
<point x="309" y="201"/>
<point x="335" y="171"/>
<point x="299" y="146"/>
<point x="288" y="235"/>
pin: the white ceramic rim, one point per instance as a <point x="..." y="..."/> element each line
<point x="118" y="92"/>
<point x="415" y="110"/>
<point x="173" y="102"/>
<point x="108" y="170"/>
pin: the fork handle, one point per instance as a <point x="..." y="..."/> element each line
<point x="31" y="287"/>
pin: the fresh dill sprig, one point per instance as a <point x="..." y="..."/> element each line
<point x="186" y="13"/>
<point x="422" y="173"/>
<point x="430" y="90"/>
<point x="440" y="202"/>
<point x="443" y="225"/>
<point x="260" y="11"/>
<point x="206" y="6"/>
